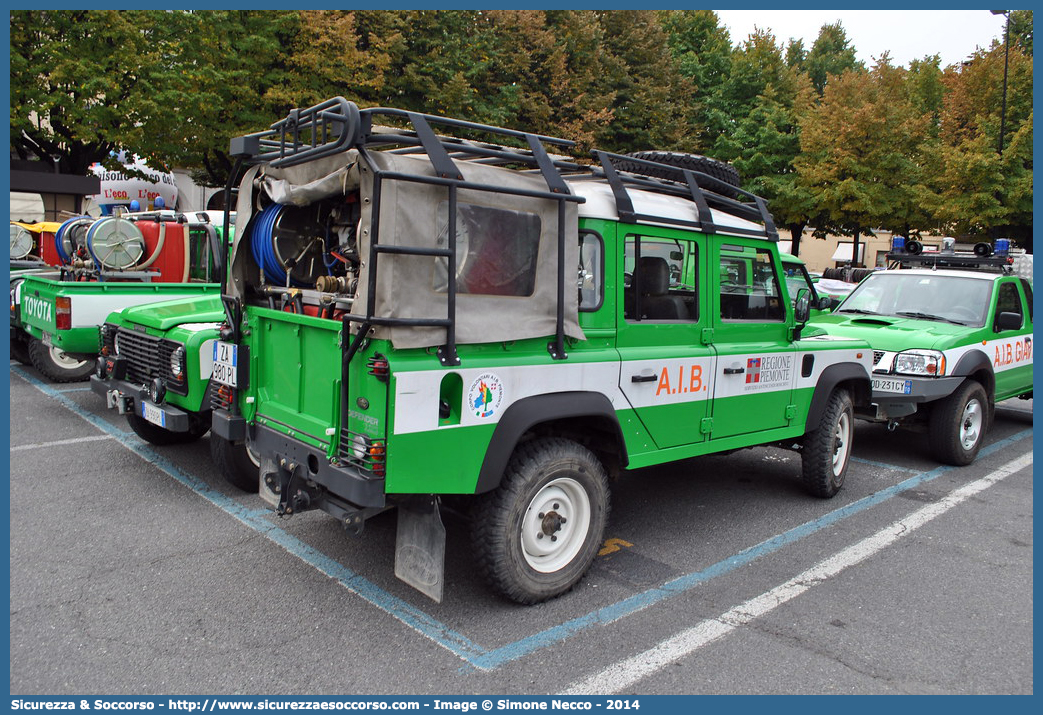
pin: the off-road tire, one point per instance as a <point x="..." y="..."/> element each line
<point x="234" y="462"/>
<point x="154" y="434"/>
<point x="547" y="479"/>
<point x="56" y="365"/>
<point x="826" y="453"/>
<point x="20" y="349"/>
<point x="720" y="170"/>
<point x="958" y="424"/>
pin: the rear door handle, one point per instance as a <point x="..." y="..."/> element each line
<point x="734" y="370"/>
<point x="643" y="378"/>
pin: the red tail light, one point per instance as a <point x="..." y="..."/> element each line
<point x="378" y="458"/>
<point x="225" y="394"/>
<point x="379" y="367"/>
<point x="63" y="313"/>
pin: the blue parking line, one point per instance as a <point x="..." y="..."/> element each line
<point x="257" y="520"/>
<point x="883" y="465"/>
<point x="512" y="651"/>
<point x="474" y="655"/>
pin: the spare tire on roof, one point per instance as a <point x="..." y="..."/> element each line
<point x="724" y="172"/>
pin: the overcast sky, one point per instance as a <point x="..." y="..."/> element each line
<point x="906" y="34"/>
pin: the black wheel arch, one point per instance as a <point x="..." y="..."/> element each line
<point x="848" y="375"/>
<point x="978" y="365"/>
<point x="587" y="417"/>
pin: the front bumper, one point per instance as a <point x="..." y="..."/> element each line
<point x="128" y="398"/>
<point x="896" y="396"/>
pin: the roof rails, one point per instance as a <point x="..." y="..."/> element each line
<point x="702" y="189"/>
<point x="337" y="124"/>
<point x="950" y="260"/>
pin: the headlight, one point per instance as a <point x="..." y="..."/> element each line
<point x="930" y="363"/>
<point x="177" y="363"/>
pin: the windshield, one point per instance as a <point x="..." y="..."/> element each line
<point x="954" y="299"/>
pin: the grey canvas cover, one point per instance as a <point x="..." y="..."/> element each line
<point x="507" y="252"/>
<point x="301" y="185"/>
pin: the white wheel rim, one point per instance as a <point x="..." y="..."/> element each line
<point x="555" y="525"/>
<point x="841" y="443"/>
<point x="970" y="424"/>
<point x="62" y="359"/>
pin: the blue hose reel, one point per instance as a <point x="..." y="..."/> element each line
<point x="289" y="244"/>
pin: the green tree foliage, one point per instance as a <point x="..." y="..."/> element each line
<point x="652" y="99"/>
<point x="1021" y="30"/>
<point x="237" y="68"/>
<point x="975" y="189"/>
<point x="908" y="149"/>
<point x="703" y="52"/>
<point x="86" y="83"/>
<point x="927" y="90"/>
<point x="830" y="55"/>
<point x="765" y="98"/>
<point x="796" y="55"/>
<point x="861" y="152"/>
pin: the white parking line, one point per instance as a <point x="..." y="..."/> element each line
<point x="627" y="672"/>
<point x="60" y="442"/>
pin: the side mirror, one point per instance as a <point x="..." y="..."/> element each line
<point x="824" y="302"/>
<point x="1008" y="321"/>
<point x="802" y="306"/>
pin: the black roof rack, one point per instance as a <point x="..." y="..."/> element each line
<point x="949" y="260"/>
<point x="337" y="124"/>
<point x="702" y="189"/>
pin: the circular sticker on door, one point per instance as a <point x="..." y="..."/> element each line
<point x="485" y="395"/>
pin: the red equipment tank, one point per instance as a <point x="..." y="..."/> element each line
<point x="172" y="263"/>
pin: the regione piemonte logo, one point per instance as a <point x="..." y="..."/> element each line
<point x="753" y="370"/>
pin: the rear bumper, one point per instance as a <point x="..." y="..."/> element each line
<point x="341" y="489"/>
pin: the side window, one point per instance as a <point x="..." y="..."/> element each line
<point x="496" y="250"/>
<point x="749" y="285"/>
<point x="1008" y="301"/>
<point x="797" y="278"/>
<point x="1027" y="287"/>
<point x="659" y="280"/>
<point x="591" y="271"/>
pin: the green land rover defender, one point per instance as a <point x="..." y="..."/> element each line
<point x="421" y="307"/>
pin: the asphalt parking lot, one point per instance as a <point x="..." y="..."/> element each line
<point x="136" y="570"/>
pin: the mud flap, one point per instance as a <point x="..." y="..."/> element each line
<point x="420" y="547"/>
